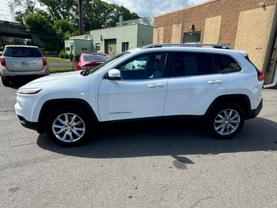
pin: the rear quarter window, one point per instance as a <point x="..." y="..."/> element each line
<point x="22" y="52"/>
<point x="226" y="64"/>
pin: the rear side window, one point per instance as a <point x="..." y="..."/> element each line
<point x="22" y="52"/>
<point x="189" y="64"/>
<point x="226" y="64"/>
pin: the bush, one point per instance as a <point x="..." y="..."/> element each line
<point x="77" y="58"/>
<point x="63" y="54"/>
<point x="71" y="57"/>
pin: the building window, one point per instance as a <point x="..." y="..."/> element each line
<point x="192" y="37"/>
<point x="97" y="47"/>
<point x="125" y="46"/>
<point x="84" y="49"/>
<point x="67" y="48"/>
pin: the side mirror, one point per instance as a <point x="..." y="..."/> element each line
<point x="114" y="74"/>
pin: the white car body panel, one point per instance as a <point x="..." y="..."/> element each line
<point x="131" y="99"/>
<point x="193" y="95"/>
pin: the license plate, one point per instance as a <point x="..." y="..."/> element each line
<point x="25" y="64"/>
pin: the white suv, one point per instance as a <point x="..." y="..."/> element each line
<point x="222" y="86"/>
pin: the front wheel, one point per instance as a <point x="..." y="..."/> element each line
<point x="68" y="126"/>
<point x="226" y="121"/>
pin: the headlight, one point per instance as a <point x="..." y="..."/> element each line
<point x="29" y="91"/>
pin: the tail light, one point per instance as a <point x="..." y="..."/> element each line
<point x="2" y="62"/>
<point x="261" y="76"/>
<point x="44" y="61"/>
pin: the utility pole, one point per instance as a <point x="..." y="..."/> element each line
<point x="81" y="17"/>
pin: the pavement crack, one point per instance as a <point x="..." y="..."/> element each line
<point x="6" y="111"/>
<point x="29" y="162"/>
<point x="195" y="204"/>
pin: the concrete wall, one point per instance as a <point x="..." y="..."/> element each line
<point x="79" y="46"/>
<point x="121" y="34"/>
<point x="145" y="35"/>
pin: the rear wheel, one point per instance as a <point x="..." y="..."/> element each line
<point x="68" y="126"/>
<point x="226" y="121"/>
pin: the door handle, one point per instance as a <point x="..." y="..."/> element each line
<point x="156" y="85"/>
<point x="215" y="82"/>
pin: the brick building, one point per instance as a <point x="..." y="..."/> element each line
<point x="249" y="25"/>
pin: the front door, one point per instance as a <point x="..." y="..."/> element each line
<point x="140" y="93"/>
<point x="110" y="47"/>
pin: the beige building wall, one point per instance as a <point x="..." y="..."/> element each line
<point x="212" y="30"/>
<point x="255" y="34"/>
<point x="158" y="35"/>
<point x="176" y="35"/>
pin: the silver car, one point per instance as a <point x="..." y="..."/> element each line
<point x="21" y="62"/>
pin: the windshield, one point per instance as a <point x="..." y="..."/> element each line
<point x="22" y="52"/>
<point x="109" y="62"/>
<point x="95" y="58"/>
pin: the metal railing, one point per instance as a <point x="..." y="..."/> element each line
<point x="219" y="46"/>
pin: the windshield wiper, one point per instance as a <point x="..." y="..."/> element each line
<point x="88" y="71"/>
<point x="85" y="72"/>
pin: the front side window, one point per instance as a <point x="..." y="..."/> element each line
<point x="149" y="66"/>
<point x="226" y="64"/>
<point x="190" y="64"/>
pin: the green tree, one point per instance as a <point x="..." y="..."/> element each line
<point x="99" y="14"/>
<point x="21" y="7"/>
<point x="60" y="9"/>
<point x="64" y="28"/>
<point x="38" y="23"/>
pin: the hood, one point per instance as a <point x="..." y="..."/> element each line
<point x="57" y="80"/>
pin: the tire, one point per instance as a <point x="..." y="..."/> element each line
<point x="225" y="121"/>
<point x="72" y="133"/>
<point x="5" y="82"/>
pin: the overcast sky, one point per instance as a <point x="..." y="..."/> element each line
<point x="143" y="8"/>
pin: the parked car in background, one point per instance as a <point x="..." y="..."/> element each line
<point x="22" y="62"/>
<point x="218" y="85"/>
<point x="90" y="60"/>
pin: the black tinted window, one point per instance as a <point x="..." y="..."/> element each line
<point x="22" y="52"/>
<point x="226" y="64"/>
<point x="189" y="64"/>
<point x="149" y="66"/>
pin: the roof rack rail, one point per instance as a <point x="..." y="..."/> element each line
<point x="219" y="46"/>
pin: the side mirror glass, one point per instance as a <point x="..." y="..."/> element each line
<point x="114" y="74"/>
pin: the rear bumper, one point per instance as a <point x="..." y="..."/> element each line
<point x="254" y="113"/>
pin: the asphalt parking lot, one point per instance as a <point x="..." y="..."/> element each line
<point x="165" y="164"/>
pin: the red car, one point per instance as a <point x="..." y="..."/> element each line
<point x="90" y="60"/>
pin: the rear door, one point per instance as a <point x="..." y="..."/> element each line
<point x="193" y="83"/>
<point x="21" y="59"/>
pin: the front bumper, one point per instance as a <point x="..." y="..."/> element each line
<point x="29" y="125"/>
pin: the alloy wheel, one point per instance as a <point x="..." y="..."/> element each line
<point x="68" y="127"/>
<point x="227" y="122"/>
